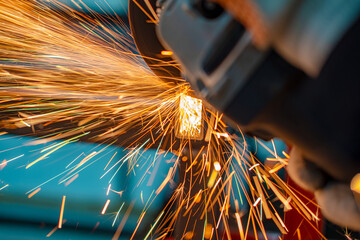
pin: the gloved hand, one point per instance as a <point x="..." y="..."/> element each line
<point x="305" y="33"/>
<point x="335" y="199"/>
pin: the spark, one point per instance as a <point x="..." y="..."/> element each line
<point x="71" y="180"/>
<point x="277" y="168"/>
<point x="49" y="180"/>
<point x="110" y="160"/>
<point x="254" y="166"/>
<point x="34" y="192"/>
<point x="117" y="214"/>
<point x="95" y="227"/>
<point x="257" y="202"/>
<point x="197" y="199"/>
<point x="153" y="226"/>
<point x="281" y="222"/>
<point x="4" y="187"/>
<point x="124" y="159"/>
<point x="123" y="221"/>
<point x="225" y="135"/>
<point x="60" y="143"/>
<point x="262" y="197"/>
<point x="108" y="190"/>
<point x="273" y="143"/>
<point x="25" y="123"/>
<point x="285" y="154"/>
<point x="46" y="155"/>
<point x="166" y="180"/>
<point x="61" y="212"/>
<point x="5" y="162"/>
<point x="167" y="53"/>
<point x="221" y="212"/>
<point x="209" y="229"/>
<point x="105" y="207"/>
<point x="278" y="194"/>
<point x="74" y="160"/>
<point x="138" y="225"/>
<point x="217" y="166"/>
<point x="117" y="192"/>
<point x="298" y="233"/>
<point x="240" y="226"/>
<point x="212" y="179"/>
<point x="189" y="235"/>
<point x="52" y="231"/>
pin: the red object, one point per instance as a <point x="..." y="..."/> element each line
<point x="299" y="228"/>
<point x="269" y="236"/>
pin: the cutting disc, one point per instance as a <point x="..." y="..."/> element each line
<point x="143" y="28"/>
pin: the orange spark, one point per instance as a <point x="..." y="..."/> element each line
<point x="61" y="212"/>
<point x="110" y="160"/>
<point x="52" y="231"/>
<point x="71" y="180"/>
<point x="254" y="166"/>
<point x="167" y="53"/>
<point x="105" y="207"/>
<point x="209" y="229"/>
<point x="256" y="202"/>
<point x="95" y="227"/>
<point x="3" y="164"/>
<point x="217" y="166"/>
<point x="108" y="190"/>
<point x="34" y="192"/>
<point x="189" y="235"/>
<point x="166" y="180"/>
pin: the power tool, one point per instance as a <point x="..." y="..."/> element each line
<point x="255" y="88"/>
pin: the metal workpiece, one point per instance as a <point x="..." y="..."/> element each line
<point x="215" y="51"/>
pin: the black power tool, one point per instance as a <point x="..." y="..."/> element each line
<point x="257" y="89"/>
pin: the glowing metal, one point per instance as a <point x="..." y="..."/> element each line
<point x="190" y="118"/>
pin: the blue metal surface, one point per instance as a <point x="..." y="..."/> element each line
<point x="118" y="7"/>
<point x="86" y="195"/>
